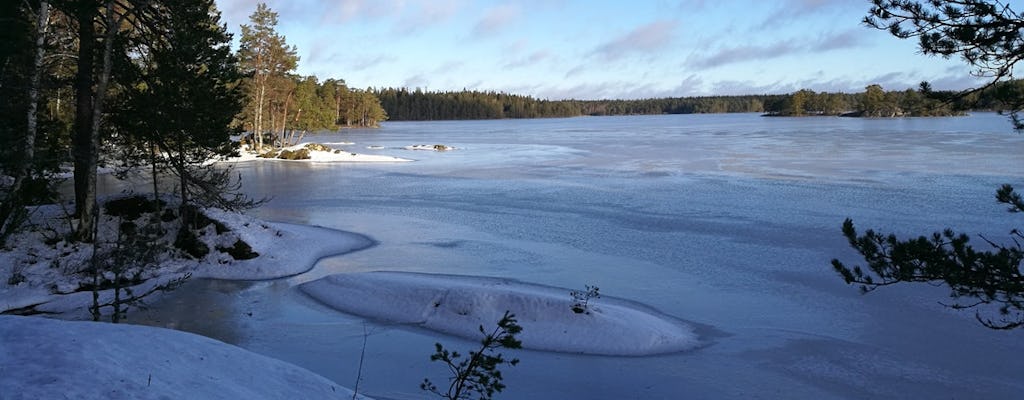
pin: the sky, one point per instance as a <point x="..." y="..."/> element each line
<point x="597" y="49"/>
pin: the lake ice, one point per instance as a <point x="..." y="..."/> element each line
<point x="725" y="221"/>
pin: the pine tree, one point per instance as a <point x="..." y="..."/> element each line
<point x="987" y="35"/>
<point x="264" y="56"/>
<point x="184" y="101"/>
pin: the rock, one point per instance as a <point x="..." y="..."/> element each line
<point x="239" y="251"/>
<point x="131" y="208"/>
<point x="187" y="241"/>
<point x="317" y="147"/>
<point x="300" y="154"/>
<point x="435" y="147"/>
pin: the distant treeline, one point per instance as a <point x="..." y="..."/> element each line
<point x="418" y="105"/>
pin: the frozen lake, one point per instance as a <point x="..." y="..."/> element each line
<point x="725" y="221"/>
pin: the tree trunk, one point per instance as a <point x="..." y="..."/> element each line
<point x="9" y="218"/>
<point x="284" y="117"/>
<point x="89" y="211"/>
<point x="84" y="80"/>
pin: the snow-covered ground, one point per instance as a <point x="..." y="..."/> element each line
<point x="51" y="359"/>
<point x="459" y="305"/>
<point x="46" y="276"/>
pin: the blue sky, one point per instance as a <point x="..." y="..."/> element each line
<point x="595" y="49"/>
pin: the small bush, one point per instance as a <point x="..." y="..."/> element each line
<point x="168" y="215"/>
<point x="581" y="299"/>
<point x="478" y="376"/>
<point x="16" y="278"/>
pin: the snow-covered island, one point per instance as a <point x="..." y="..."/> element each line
<point x="312" y="152"/>
<point x="459" y="305"/>
<point x="430" y="147"/>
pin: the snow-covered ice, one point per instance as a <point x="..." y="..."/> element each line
<point x="52" y="359"/>
<point x="459" y="305"/>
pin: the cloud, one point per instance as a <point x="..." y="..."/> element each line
<point x="418" y="81"/>
<point x="739" y="54"/>
<point x="848" y="39"/>
<point x="365" y="63"/>
<point x="643" y="39"/>
<point x="532" y="59"/>
<point x="576" y="70"/>
<point x="689" y="86"/>
<point x="427" y="14"/>
<point x="746" y="53"/>
<point x="448" y="67"/>
<point x="790" y="10"/>
<point x="496" y="19"/>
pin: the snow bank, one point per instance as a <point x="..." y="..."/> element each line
<point x="458" y="305"/>
<point x="285" y="249"/>
<point x="49" y="277"/>
<point x="50" y="359"/>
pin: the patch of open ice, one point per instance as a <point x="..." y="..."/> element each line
<point x="458" y="305"/>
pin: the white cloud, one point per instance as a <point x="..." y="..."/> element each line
<point x="642" y="39"/>
<point x="496" y="19"/>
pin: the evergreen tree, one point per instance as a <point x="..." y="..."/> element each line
<point x="266" y="58"/>
<point x="987" y="36"/>
<point x="183" y="102"/>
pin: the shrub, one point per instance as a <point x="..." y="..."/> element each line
<point x="479" y="373"/>
<point x="581" y="299"/>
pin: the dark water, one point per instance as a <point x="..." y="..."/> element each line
<point x="729" y="221"/>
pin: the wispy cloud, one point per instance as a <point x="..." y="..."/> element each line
<point x="428" y="14"/>
<point x="418" y="81"/>
<point x="790" y="10"/>
<point x="747" y="53"/>
<point x="842" y="40"/>
<point x="643" y="39"/>
<point x="496" y="19"/>
<point x="365" y="63"/>
<point x="576" y="70"/>
<point x="532" y="59"/>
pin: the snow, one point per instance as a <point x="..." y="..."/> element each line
<point x="48" y="271"/>
<point x="338" y="155"/>
<point x="430" y="147"/>
<point x="459" y="305"/>
<point x="49" y="359"/>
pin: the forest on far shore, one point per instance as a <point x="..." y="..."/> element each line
<point x="417" y="105"/>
